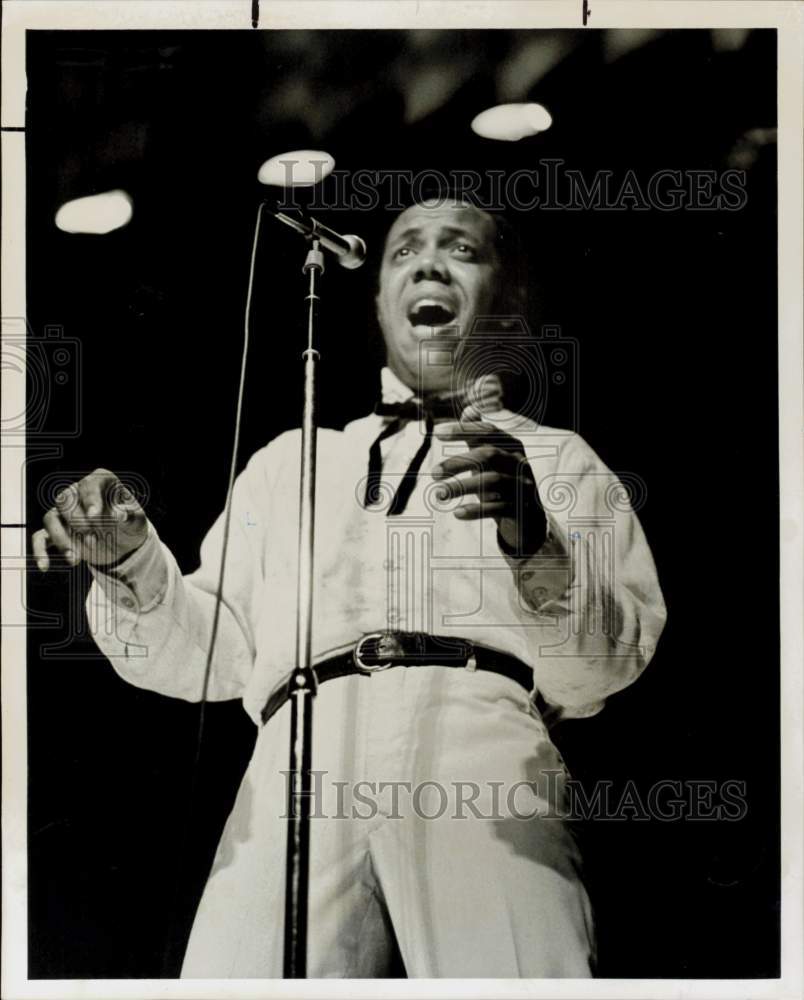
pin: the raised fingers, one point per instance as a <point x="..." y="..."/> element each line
<point x="490" y="508"/>
<point x="485" y="441"/>
<point x="483" y="458"/>
<point x="68" y="505"/>
<point x="484" y="395"/>
<point x="97" y="519"/>
<point x="466" y="430"/>
<point x="39" y="543"/>
<point x="488" y="485"/>
<point x="91" y="491"/>
<point x="102" y="493"/>
<point x="470" y="461"/>
<point x="59" y="536"/>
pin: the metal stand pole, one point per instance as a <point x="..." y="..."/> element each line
<point x="302" y="684"/>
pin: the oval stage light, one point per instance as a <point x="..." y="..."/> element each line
<point x="510" y="122"/>
<point x="97" y="213"/>
<point x="299" y="168"/>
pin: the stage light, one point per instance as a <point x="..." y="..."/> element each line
<point x="510" y="122"/>
<point x="299" y="168"/>
<point x="97" y="213"/>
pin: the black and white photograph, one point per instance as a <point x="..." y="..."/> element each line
<point x="402" y="499"/>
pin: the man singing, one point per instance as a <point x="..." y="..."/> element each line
<point x="477" y="575"/>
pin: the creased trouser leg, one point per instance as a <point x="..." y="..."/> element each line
<point x="466" y="901"/>
<point x="466" y="897"/>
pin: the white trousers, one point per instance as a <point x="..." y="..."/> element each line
<point x="423" y="830"/>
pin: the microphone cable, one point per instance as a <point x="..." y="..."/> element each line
<point x="227" y="518"/>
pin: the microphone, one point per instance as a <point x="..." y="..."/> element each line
<point x="350" y="250"/>
<point x="306" y="168"/>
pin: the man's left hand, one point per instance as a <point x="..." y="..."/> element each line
<point x="501" y="479"/>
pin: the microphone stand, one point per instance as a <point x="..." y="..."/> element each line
<point x="303" y="684"/>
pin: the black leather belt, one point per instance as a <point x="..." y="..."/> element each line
<point x="381" y="650"/>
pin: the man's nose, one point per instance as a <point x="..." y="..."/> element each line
<point x="430" y="266"/>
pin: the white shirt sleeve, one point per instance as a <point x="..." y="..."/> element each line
<point x="155" y="625"/>
<point x="592" y="587"/>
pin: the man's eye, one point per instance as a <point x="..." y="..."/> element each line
<point x="465" y="250"/>
<point x="402" y="252"/>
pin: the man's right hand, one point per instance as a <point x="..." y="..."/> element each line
<point x="97" y="519"/>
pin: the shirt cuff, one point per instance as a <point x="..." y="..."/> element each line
<point x="551" y="713"/>
<point x="140" y="581"/>
<point x="542" y="579"/>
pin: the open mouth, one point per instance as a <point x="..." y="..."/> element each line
<point x="431" y="314"/>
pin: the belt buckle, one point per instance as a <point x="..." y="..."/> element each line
<point x="382" y="638"/>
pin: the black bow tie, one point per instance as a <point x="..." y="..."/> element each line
<point x="435" y="407"/>
<point x="431" y="410"/>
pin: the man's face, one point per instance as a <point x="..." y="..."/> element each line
<point x="439" y="271"/>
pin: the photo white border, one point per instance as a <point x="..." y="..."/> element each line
<point x="788" y="17"/>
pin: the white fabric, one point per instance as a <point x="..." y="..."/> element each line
<point x="466" y="895"/>
<point x="585" y="613"/>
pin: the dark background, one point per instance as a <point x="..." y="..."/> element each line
<point x="674" y="314"/>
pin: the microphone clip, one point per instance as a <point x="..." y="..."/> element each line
<point x="349" y="250"/>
